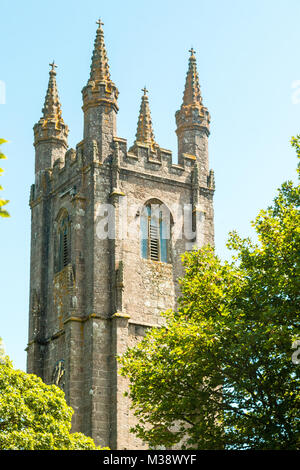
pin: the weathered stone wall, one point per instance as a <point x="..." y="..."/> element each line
<point x="107" y="296"/>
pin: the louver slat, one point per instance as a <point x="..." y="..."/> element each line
<point x="154" y="243"/>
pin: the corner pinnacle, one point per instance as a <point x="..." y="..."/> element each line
<point x="52" y="107"/>
<point x="145" y="132"/>
<point x="192" y="94"/>
<point x="99" y="66"/>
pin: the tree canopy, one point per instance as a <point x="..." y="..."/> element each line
<point x="220" y="373"/>
<point x="3" y="202"/>
<point x="33" y="415"/>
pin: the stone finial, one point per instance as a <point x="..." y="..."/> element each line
<point x="53" y="66"/>
<point x="192" y="94"/>
<point x="52" y="107"/>
<point x="145" y="132"/>
<point x="99" y="66"/>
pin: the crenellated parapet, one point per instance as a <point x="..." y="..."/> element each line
<point x="100" y="93"/>
<point x="65" y="169"/>
<point x="100" y="145"/>
<point x="158" y="165"/>
<point x="65" y="177"/>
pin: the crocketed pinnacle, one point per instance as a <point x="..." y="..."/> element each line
<point x="52" y="107"/>
<point x="99" y="66"/>
<point x="144" y="132"/>
<point x="192" y="114"/>
<point x="192" y="94"/>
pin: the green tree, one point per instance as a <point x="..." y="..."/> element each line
<point x="3" y="202"/>
<point x="2" y="352"/>
<point x="33" y="415"/>
<point x="220" y="373"/>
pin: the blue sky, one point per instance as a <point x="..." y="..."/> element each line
<point x="248" y="62"/>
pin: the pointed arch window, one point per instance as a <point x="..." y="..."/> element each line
<point x="64" y="242"/>
<point x="155" y="232"/>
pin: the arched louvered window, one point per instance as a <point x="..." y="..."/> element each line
<point x="155" y="232"/>
<point x="64" y="244"/>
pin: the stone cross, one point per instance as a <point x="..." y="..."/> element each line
<point x="53" y="66"/>
<point x="99" y="22"/>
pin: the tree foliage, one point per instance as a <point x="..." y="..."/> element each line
<point x="219" y="374"/>
<point x="3" y="202"/>
<point x="33" y="415"/>
<point x="2" y="352"/>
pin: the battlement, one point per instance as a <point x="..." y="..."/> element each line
<point x="143" y="159"/>
<point x="140" y="159"/>
<point x="101" y="147"/>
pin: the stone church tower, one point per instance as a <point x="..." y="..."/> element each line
<point x="108" y="225"/>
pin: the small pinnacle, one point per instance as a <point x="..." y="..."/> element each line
<point x="144" y="132"/>
<point x="192" y="94"/>
<point x="52" y="107"/>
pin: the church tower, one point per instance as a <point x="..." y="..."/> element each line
<point x="108" y="226"/>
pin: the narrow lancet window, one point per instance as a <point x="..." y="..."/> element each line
<point x="64" y="245"/>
